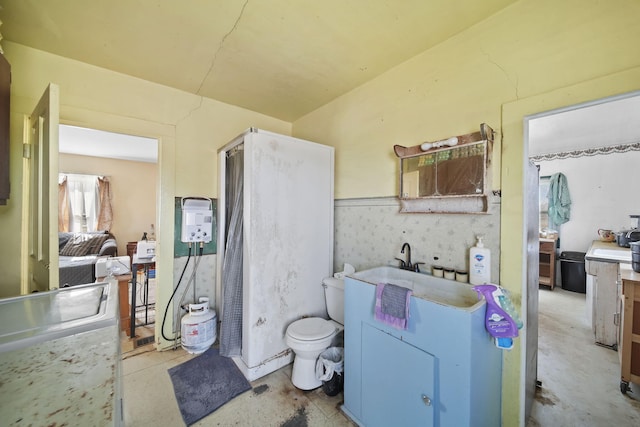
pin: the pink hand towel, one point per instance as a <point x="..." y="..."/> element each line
<point x="392" y="305"/>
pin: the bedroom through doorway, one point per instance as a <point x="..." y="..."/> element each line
<point x="129" y="164"/>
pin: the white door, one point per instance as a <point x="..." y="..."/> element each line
<point x="532" y="212"/>
<point x="40" y="195"/>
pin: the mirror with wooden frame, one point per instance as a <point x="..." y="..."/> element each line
<point x="452" y="168"/>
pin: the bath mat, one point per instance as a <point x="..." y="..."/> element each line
<point x="205" y="383"/>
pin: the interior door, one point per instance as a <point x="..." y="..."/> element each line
<point x="532" y="212"/>
<point x="40" y="195"/>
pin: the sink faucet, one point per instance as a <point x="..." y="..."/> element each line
<point x="407" y="262"/>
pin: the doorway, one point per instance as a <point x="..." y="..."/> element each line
<point x="596" y="145"/>
<point x="130" y="164"/>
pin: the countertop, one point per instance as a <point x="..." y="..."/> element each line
<point x="608" y="252"/>
<point x="66" y="381"/>
<point x="627" y="273"/>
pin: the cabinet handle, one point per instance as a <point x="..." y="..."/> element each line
<point x="426" y="400"/>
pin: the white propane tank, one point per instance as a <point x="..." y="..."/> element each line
<point x="198" y="327"/>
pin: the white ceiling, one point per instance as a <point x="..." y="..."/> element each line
<point x="282" y="58"/>
<point x="603" y="123"/>
<point x="97" y="143"/>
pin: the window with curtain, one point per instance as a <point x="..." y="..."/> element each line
<point x="543" y="200"/>
<point x="84" y="203"/>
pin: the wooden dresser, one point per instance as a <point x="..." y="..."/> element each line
<point x="547" y="274"/>
<point x="629" y="347"/>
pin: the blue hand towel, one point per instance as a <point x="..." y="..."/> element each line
<point x="392" y="305"/>
<point x="559" y="199"/>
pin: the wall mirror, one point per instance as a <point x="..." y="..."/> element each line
<point x="455" y="169"/>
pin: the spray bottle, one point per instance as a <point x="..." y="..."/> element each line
<point x="502" y="326"/>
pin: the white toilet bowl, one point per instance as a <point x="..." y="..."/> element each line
<point x="308" y="338"/>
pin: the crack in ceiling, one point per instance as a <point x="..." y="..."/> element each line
<point x="220" y="46"/>
<point x="280" y="58"/>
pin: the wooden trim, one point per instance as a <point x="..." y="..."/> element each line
<point x="485" y="133"/>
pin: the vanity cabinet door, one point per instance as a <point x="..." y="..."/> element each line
<point x="397" y="381"/>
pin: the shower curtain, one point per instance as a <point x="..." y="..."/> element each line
<point x="231" y="327"/>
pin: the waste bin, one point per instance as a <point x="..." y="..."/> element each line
<point x="329" y="370"/>
<point x="573" y="274"/>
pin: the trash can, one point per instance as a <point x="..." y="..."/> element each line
<point x="573" y="274"/>
<point x="329" y="370"/>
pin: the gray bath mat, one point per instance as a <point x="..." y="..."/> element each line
<point x="205" y="383"/>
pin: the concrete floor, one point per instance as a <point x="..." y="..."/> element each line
<point x="580" y="383"/>
<point x="273" y="401"/>
<point x="580" y="380"/>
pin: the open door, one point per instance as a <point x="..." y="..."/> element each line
<point x="532" y="212"/>
<point x="40" y="195"/>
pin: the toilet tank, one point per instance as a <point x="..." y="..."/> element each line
<point x="334" y="296"/>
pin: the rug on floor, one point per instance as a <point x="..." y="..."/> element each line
<point x="205" y="383"/>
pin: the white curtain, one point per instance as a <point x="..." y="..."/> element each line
<point x="84" y="202"/>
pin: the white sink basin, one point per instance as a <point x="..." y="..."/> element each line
<point x="44" y="316"/>
<point x="424" y="286"/>
<point x="611" y="254"/>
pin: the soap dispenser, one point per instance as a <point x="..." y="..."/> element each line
<point x="479" y="263"/>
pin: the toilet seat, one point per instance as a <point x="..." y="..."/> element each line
<point x="311" y="329"/>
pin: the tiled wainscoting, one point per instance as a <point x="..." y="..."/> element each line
<point x="370" y="232"/>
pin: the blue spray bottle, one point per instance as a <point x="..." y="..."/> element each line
<point x="498" y="322"/>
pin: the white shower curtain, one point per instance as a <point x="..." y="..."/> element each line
<point x="232" y="266"/>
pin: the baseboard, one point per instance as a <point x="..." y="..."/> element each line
<point x="266" y="367"/>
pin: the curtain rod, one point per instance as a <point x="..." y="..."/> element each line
<point x="84" y="174"/>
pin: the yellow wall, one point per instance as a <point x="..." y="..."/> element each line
<point x="529" y="57"/>
<point x="512" y="242"/>
<point x="189" y="129"/>
<point x="512" y="59"/>
<point x="133" y="192"/>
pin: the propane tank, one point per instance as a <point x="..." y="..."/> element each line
<point x="198" y="327"/>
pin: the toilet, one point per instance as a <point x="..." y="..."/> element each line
<point x="310" y="336"/>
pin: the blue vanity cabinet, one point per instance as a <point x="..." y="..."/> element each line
<point x="444" y="370"/>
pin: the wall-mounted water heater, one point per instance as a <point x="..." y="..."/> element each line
<point x="197" y="219"/>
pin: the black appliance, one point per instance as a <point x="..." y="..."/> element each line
<point x="572" y="272"/>
<point x="635" y="256"/>
<point x="625" y="237"/>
